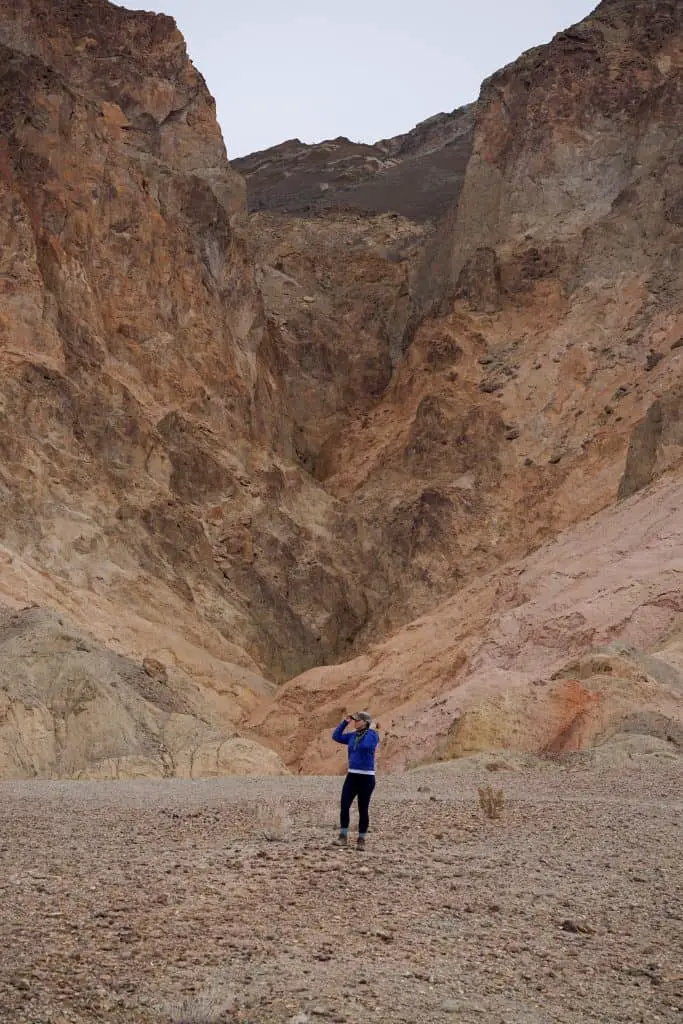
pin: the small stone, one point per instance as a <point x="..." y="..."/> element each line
<point x="309" y="298"/>
<point x="554" y="459"/>
<point x="451" y="1006"/>
<point x="155" y="669"/>
<point x="512" y="434"/>
<point x="576" y="927"/>
<point x="652" y="360"/>
<point x="677" y="344"/>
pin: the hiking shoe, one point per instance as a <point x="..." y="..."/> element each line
<point x="341" y="840"/>
<point x="360" y="843"/>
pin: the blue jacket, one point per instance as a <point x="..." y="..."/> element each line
<point x="361" y="748"/>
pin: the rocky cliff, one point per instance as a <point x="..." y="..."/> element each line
<point x="539" y="380"/>
<point x="242" y="447"/>
<point x="144" y="491"/>
<point x="539" y="322"/>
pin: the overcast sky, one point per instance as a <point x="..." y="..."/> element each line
<point x="367" y="69"/>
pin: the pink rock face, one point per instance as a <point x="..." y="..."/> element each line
<point x="544" y="655"/>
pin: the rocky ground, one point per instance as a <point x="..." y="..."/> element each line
<point x="171" y="901"/>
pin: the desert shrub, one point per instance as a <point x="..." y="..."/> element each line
<point x="491" y="801"/>
<point x="212" y="1005"/>
<point x="273" y="820"/>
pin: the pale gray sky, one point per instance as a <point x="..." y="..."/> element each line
<point x="367" y="69"/>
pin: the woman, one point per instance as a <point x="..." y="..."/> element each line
<point x="360" y="778"/>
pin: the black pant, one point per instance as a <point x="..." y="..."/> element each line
<point x="360" y="786"/>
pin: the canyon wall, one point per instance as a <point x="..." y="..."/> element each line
<point x="237" y="448"/>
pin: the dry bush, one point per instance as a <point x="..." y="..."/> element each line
<point x="558" y="757"/>
<point x="212" y="1005"/>
<point x="491" y="801"/>
<point x="273" y="820"/>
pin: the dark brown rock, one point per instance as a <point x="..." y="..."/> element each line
<point x="156" y="669"/>
<point x="417" y="175"/>
<point x="655" y="444"/>
<point x="479" y="281"/>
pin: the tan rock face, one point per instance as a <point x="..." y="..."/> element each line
<point x="143" y="427"/>
<point x="71" y="708"/>
<point x="235" y="449"/>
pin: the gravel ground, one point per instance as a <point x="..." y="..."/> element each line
<point x="165" y="902"/>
